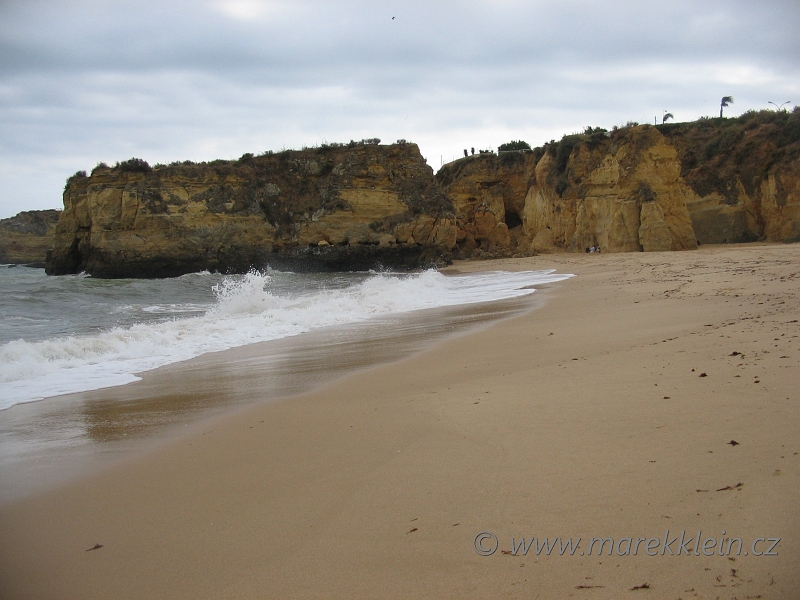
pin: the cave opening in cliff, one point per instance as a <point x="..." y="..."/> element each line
<point x="513" y="219"/>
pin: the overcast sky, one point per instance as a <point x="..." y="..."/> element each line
<point x="85" y="81"/>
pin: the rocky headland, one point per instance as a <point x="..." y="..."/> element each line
<point x="26" y="237"/>
<point x="338" y="207"/>
<point x="365" y="205"/>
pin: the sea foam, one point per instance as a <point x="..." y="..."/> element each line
<point x="246" y="311"/>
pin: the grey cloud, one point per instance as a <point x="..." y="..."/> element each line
<point x="146" y="35"/>
<point x="83" y="81"/>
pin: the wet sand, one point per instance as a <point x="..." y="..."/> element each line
<point x="46" y="444"/>
<point x="609" y="412"/>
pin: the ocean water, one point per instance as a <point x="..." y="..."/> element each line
<point x="68" y="334"/>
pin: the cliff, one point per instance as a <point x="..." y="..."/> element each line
<point x="635" y="188"/>
<point x="26" y="237"/>
<point x="361" y="205"/>
<point x="745" y="175"/>
<point x="488" y="195"/>
<point x="353" y="206"/>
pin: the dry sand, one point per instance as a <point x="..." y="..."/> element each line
<point x="608" y="412"/>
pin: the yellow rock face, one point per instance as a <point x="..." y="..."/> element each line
<point x="351" y="206"/>
<point x="351" y="225"/>
<point x="626" y="196"/>
<point x="488" y="194"/>
<point x="780" y="204"/>
<point x="712" y="181"/>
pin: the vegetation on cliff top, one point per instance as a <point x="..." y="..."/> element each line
<point x="139" y="165"/>
<point x="290" y="186"/>
<point x="716" y="152"/>
<point x="514" y="145"/>
<point x="75" y="178"/>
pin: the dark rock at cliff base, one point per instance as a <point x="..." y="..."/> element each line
<point x="361" y="258"/>
<point x="298" y="260"/>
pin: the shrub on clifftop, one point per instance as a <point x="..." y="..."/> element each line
<point x="513" y="145"/>
<point x="133" y="165"/>
<point x="73" y="178"/>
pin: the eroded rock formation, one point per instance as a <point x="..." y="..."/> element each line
<point x="638" y="188"/>
<point x="336" y="207"/>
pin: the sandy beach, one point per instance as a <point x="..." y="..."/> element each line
<point x="653" y="394"/>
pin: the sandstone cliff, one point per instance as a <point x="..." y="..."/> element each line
<point x="634" y="188"/>
<point x="488" y="195"/>
<point x="745" y="175"/>
<point x="26" y="237"/>
<point x="336" y="207"/>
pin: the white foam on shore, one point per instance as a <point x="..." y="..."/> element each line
<point x="246" y="312"/>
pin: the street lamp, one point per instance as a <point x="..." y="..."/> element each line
<point x="777" y="108"/>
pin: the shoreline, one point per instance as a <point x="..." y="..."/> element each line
<point x="587" y="417"/>
<point x="110" y="426"/>
<point x="75" y="354"/>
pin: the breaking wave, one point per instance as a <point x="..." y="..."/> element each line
<point x="248" y="309"/>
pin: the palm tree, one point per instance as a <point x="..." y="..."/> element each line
<point x="667" y="116"/>
<point x="726" y="100"/>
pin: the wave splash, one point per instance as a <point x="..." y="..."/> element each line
<point x="247" y="310"/>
